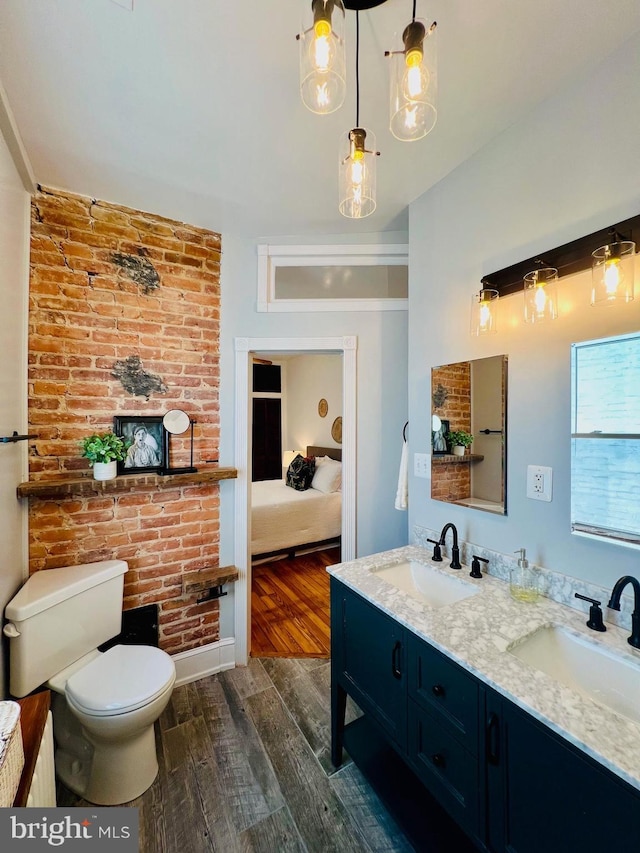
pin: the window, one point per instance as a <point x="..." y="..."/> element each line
<point x="333" y="278"/>
<point x="605" y="441"/>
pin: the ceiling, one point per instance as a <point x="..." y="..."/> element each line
<point x="191" y="109"/>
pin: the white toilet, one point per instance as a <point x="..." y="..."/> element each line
<point x="105" y="704"/>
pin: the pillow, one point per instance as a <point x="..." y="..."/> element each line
<point x="300" y="473"/>
<point x="328" y="476"/>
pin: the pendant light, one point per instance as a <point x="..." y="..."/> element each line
<point x="540" y="295"/>
<point x="612" y="272"/>
<point x="413" y="82"/>
<point x="484" y="312"/>
<point x="322" y="57"/>
<point x="357" y="161"/>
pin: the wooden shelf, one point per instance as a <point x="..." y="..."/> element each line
<point x="204" y="579"/>
<point x="449" y="458"/>
<point x="87" y="486"/>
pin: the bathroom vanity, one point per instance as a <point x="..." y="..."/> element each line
<point x="520" y="761"/>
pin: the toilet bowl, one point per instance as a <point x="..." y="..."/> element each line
<point x="104" y="709"/>
<point x="105" y="703"/>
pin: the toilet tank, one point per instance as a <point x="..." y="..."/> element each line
<point x="58" y="616"/>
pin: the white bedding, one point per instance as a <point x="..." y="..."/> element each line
<point x="283" y="518"/>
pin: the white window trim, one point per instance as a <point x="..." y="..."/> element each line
<point x="374" y="254"/>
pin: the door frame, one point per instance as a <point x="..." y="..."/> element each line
<point x="244" y="347"/>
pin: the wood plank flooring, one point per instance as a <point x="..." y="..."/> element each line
<point x="290" y="606"/>
<point x="244" y="768"/>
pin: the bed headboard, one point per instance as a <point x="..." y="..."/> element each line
<point x="331" y="452"/>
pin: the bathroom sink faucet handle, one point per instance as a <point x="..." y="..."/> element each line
<point x="475" y="566"/>
<point x="595" y="613"/>
<point x="614" y="604"/>
<point x="437" y="551"/>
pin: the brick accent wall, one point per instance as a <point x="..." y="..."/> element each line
<point x="113" y="288"/>
<point x="452" y="481"/>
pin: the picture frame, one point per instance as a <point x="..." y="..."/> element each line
<point x="440" y="437"/>
<point x="144" y="434"/>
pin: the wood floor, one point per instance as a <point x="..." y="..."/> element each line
<point x="290" y="606"/>
<point x="245" y="768"/>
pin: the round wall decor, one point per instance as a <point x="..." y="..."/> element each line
<point x="323" y="408"/>
<point x="336" y="430"/>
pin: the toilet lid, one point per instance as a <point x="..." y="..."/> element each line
<point x="122" y="679"/>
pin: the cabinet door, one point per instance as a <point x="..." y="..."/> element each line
<point x="556" y="799"/>
<point x="368" y="651"/>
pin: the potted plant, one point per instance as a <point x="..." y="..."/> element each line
<point x="460" y="440"/>
<point x="104" y="451"/>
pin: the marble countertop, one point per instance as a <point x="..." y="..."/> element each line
<point x="476" y="633"/>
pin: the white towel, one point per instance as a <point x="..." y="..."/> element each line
<point x="402" y="495"/>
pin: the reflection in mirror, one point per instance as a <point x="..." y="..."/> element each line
<point x="470" y="397"/>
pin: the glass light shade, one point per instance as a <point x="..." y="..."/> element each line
<point x="541" y="295"/>
<point x="484" y="312"/>
<point x="414" y="83"/>
<point x="357" y="173"/>
<point x="322" y="57"/>
<point x="612" y="273"/>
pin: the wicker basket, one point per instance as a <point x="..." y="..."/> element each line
<point x="11" y="752"/>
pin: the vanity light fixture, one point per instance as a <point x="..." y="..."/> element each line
<point x="413" y="79"/>
<point x="609" y="253"/>
<point x="484" y="311"/>
<point x="612" y="272"/>
<point x="541" y="295"/>
<point x="322" y="57"/>
<point x="357" y="161"/>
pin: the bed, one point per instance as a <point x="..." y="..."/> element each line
<point x="284" y="520"/>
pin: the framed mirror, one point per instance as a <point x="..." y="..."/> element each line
<point x="469" y="433"/>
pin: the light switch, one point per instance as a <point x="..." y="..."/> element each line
<point x="422" y="465"/>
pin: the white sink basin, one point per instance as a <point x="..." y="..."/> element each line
<point x="595" y="672"/>
<point x="426" y="584"/>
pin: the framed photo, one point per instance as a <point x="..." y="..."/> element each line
<point x="145" y="437"/>
<point x="440" y="439"/>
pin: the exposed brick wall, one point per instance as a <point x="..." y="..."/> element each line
<point x="109" y="284"/>
<point x="452" y="481"/>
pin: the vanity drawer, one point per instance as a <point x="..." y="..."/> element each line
<point x="445" y="767"/>
<point x="445" y="689"/>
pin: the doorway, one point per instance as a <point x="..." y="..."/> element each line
<point x="245" y="348"/>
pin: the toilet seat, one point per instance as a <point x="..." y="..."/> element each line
<point x="121" y="680"/>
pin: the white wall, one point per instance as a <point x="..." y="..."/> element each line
<point x="572" y="167"/>
<point x="310" y="378"/>
<point x="381" y="393"/>
<point x="14" y="267"/>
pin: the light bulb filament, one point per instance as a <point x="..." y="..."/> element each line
<point x="612" y="275"/>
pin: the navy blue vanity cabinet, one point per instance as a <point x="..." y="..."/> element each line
<point x="546" y="795"/>
<point x="443" y="733"/>
<point x="368" y="662"/>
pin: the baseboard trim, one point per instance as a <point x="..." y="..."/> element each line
<point x="205" y="660"/>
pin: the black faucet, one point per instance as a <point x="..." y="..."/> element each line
<point x="614" y="604"/>
<point x="455" y="551"/>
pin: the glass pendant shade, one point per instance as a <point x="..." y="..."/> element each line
<point x="484" y="312"/>
<point x="357" y="173"/>
<point x="541" y="295"/>
<point x="612" y="273"/>
<point x="414" y="83"/>
<point x="322" y="57"/>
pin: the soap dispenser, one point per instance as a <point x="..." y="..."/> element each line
<point x="523" y="583"/>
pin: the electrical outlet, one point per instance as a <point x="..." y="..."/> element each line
<point x="422" y="465"/>
<point x="539" y="482"/>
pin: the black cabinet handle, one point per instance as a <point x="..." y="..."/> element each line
<point x="437" y="690"/>
<point x="395" y="657"/>
<point x="438" y="759"/>
<point x="493" y="739"/>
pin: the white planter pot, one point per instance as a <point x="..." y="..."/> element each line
<point x="105" y="470"/>
<point x="458" y="449"/>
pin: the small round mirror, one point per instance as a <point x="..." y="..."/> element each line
<point x="436" y="423"/>
<point x="176" y="421"/>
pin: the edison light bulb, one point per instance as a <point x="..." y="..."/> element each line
<point x="415" y="81"/>
<point x="540" y="300"/>
<point x="485" y="316"/>
<point x="321" y="45"/>
<point x="612" y="275"/>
